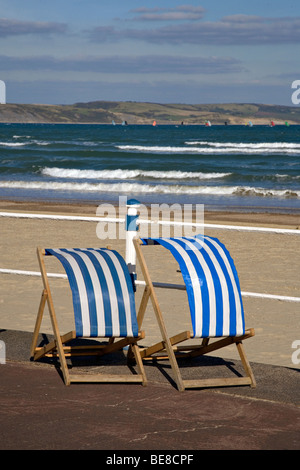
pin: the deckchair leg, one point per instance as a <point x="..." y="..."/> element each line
<point x="139" y="362"/>
<point x="246" y="364"/>
<point x="151" y="293"/>
<point x="38" y="322"/>
<point x="57" y="336"/>
<point x="143" y="306"/>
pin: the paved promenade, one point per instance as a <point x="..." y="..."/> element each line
<point x="39" y="412"/>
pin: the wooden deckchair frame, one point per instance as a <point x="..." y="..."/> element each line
<point x="58" y="347"/>
<point x="168" y="349"/>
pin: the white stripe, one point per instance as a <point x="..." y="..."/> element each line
<point x="97" y="290"/>
<point x="239" y="316"/>
<point x="112" y="295"/>
<point x="145" y="221"/>
<point x="224" y="289"/>
<point x="223" y="283"/>
<point x="82" y="291"/>
<point x="195" y="284"/>
<point x="210" y="284"/>
<point x="125" y="293"/>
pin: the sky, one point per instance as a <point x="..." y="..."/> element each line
<point x="185" y="51"/>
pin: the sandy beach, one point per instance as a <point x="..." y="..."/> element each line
<point x="267" y="263"/>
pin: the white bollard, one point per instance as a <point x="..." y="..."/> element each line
<point x="131" y="227"/>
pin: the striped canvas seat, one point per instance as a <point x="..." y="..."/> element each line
<point x="211" y="282"/>
<point x="215" y="305"/>
<point x="102" y="292"/>
<point x="104" y="308"/>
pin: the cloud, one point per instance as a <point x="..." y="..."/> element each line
<point x="9" y="27"/>
<point x="125" y="64"/>
<point x="159" y="91"/>
<point x="230" y="30"/>
<point x="182" y="12"/>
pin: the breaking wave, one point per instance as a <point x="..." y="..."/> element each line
<point x="151" y="189"/>
<point x="128" y="174"/>
<point x="215" y="148"/>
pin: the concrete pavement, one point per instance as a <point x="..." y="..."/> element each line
<point x="38" y="412"/>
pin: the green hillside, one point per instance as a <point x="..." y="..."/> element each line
<point x="104" y="112"/>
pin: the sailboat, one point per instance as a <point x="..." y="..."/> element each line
<point x="208" y="123"/>
<point x="272" y="124"/>
<point x="124" y="123"/>
<point x="154" y="123"/>
<point x="113" y="122"/>
<point x="287" y="124"/>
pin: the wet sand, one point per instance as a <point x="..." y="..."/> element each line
<point x="267" y="263"/>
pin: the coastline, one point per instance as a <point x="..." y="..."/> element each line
<point x="135" y="113"/>
<point x="275" y="218"/>
<point x="267" y="263"/>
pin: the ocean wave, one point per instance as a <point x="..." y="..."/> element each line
<point x="128" y="174"/>
<point x="287" y="177"/>
<point x="23" y="144"/>
<point x="21" y="136"/>
<point x="156" y="148"/>
<point x="216" y="148"/>
<point x="136" y="188"/>
<point x="241" y="145"/>
<point x="13" y="144"/>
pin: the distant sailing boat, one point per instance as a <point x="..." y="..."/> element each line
<point x="124" y="123"/>
<point x="287" y="124"/>
<point x="208" y="123"/>
<point x="113" y="122"/>
<point x="272" y="124"/>
<point x="250" y="124"/>
<point x="154" y="123"/>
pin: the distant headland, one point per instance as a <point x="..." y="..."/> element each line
<point x="107" y="112"/>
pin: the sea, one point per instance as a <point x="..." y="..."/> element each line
<point x="224" y="167"/>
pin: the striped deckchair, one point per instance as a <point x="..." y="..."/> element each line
<point x="104" y="307"/>
<point x="215" y="304"/>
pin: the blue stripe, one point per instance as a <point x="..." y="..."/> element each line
<point x="104" y="288"/>
<point x="183" y="268"/>
<point x="217" y="284"/>
<point x="105" y="292"/>
<point x="203" y="286"/>
<point x="231" y="296"/>
<point x="205" y="290"/>
<point x="74" y="289"/>
<point x="131" y="223"/>
<point x="89" y="290"/>
<point x="203" y="281"/>
<point x="232" y="300"/>
<point x="184" y="272"/>
<point x="187" y="279"/>
<point x="120" y="300"/>
<point x="130" y="290"/>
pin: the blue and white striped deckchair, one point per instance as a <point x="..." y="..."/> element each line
<point x="104" y="307"/>
<point x="214" y="298"/>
